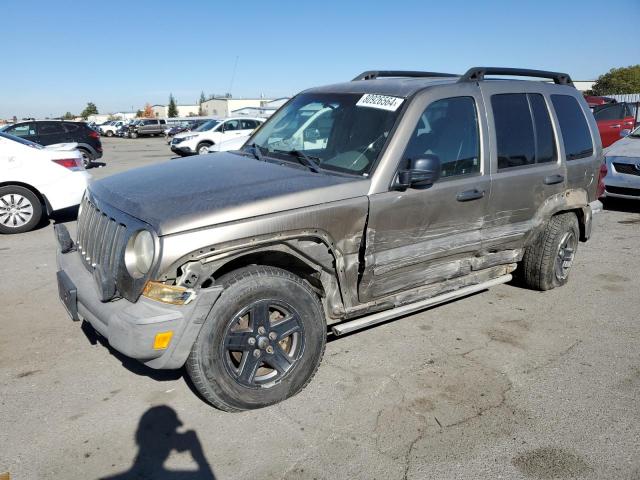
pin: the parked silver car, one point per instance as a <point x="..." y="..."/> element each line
<point x="623" y="167"/>
<point x="353" y="204"/>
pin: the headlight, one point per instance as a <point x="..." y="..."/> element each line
<point x="189" y="137"/>
<point x="139" y="253"/>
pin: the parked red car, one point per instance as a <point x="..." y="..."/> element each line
<point x="613" y="118"/>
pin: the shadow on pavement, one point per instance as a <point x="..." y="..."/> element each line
<point x="157" y="436"/>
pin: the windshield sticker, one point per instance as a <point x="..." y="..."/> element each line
<point x="382" y="102"/>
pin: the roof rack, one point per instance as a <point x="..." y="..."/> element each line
<point x="373" y="74"/>
<point x="476" y="74"/>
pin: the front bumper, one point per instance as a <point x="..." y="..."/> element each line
<point x="182" y="148"/>
<point x="130" y="328"/>
<point x="619" y="184"/>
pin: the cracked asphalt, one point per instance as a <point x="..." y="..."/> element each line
<point x="507" y="383"/>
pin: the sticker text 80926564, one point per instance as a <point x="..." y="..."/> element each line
<point x="383" y="102"/>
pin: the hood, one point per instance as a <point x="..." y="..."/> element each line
<point x="625" y="147"/>
<point x="186" y="134"/>
<point x="206" y="190"/>
<point x="62" y="146"/>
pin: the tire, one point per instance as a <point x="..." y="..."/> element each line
<point x="200" y="149"/>
<point x="87" y="158"/>
<point x="20" y="209"/>
<point x="109" y="133"/>
<point x="259" y="375"/>
<point x="547" y="262"/>
<point x="133" y="135"/>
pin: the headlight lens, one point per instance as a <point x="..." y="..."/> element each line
<point x="139" y="253"/>
<point x="189" y="137"/>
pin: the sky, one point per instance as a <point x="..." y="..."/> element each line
<point x="59" y="55"/>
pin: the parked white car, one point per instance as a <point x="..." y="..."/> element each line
<point x="232" y="144"/>
<point x="36" y="181"/>
<point x="213" y="132"/>
<point x="110" y="128"/>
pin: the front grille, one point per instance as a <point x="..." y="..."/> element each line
<point x="635" y="192"/>
<point x="628" y="168"/>
<point x="99" y="238"/>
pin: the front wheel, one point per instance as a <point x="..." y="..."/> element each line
<point x="109" y="133"/>
<point x="262" y="341"/>
<point x="133" y="135"/>
<point x="547" y="262"/>
<point x="203" y="148"/>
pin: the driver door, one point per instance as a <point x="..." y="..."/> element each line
<point x="420" y="236"/>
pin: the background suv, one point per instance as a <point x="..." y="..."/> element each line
<point x="48" y="132"/>
<point x="147" y="126"/>
<point x="213" y="132"/>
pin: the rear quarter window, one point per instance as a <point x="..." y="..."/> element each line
<point x="574" y="129"/>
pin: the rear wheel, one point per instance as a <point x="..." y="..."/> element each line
<point x="20" y="209"/>
<point x="133" y="135"/>
<point x="87" y="158"/>
<point x="547" y="262"/>
<point x="262" y="341"/>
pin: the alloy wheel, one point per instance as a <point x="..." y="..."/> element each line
<point x="15" y="210"/>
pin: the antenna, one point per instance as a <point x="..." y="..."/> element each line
<point x="233" y="74"/>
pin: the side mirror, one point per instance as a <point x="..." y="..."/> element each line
<point x="625" y="133"/>
<point x="422" y="172"/>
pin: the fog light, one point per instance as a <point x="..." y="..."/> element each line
<point x="167" y="293"/>
<point x="162" y="340"/>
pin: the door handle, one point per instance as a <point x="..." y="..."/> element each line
<point x="468" y="195"/>
<point x="553" y="179"/>
<point x="615" y="126"/>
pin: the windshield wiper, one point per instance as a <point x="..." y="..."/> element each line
<point x="303" y="159"/>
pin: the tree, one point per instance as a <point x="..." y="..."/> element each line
<point x="148" y="111"/>
<point x="139" y="113"/>
<point x="90" y="109"/>
<point x="203" y="99"/>
<point x="68" y="116"/>
<point x="618" y="81"/>
<point x="173" y="108"/>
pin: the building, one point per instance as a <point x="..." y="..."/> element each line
<point x="162" y="111"/>
<point x="223" y="106"/>
<point x="584" y="85"/>
<point x="105" y="117"/>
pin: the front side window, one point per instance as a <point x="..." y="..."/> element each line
<point x="576" y="135"/>
<point x="342" y="132"/>
<point x="22" y="130"/>
<point x="448" y="128"/>
<point x="231" y="125"/>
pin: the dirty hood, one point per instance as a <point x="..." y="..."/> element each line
<point x="206" y="190"/>
<point x="625" y="147"/>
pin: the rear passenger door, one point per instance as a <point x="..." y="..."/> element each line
<point x="526" y="169"/>
<point x="51" y="132"/>
<point x="610" y="119"/>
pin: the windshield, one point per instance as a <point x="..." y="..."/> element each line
<point x="21" y="140"/>
<point x="207" y="126"/>
<point x="340" y="132"/>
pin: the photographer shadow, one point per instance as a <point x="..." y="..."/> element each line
<point x="157" y="436"/>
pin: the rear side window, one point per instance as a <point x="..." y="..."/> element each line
<point x="609" y="112"/>
<point x="50" y="128"/>
<point x="573" y="126"/>
<point x="524" y="135"/>
<point x="71" y="127"/>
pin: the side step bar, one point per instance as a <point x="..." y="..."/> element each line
<point x="358" y="323"/>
